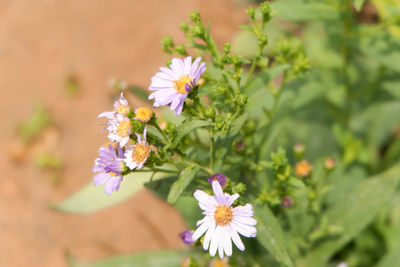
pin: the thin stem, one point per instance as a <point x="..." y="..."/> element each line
<point x="211" y="132"/>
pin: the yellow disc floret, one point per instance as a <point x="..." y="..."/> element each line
<point x="123" y="109"/>
<point x="124" y="128"/>
<point x="223" y="215"/>
<point x="143" y="114"/>
<point x="180" y="85"/>
<point x="140" y="152"/>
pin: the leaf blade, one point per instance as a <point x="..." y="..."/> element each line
<point x="184" y="179"/>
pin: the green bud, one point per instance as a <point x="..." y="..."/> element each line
<point x="210" y="113"/>
<point x="195" y="16"/>
<point x="241" y="99"/>
<point x="184" y="27"/>
<point x="251" y="12"/>
<point x="311" y="195"/>
<point x="181" y="49"/>
<point x="265" y="11"/>
<point x="221" y="89"/>
<point x="197" y="31"/>
<point x="262" y="40"/>
<point x="249" y="127"/>
<point x="227" y="48"/>
<point x="167" y="41"/>
<point x="240" y="188"/>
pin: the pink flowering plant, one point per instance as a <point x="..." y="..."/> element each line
<point x="266" y="152"/>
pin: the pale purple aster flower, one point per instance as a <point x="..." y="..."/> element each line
<point x="218" y="177"/>
<point x="173" y="84"/>
<point x="119" y="129"/>
<point x="109" y="167"/>
<point x="136" y="155"/>
<point x="186" y="237"/>
<point x="121" y="106"/>
<point x="222" y="222"/>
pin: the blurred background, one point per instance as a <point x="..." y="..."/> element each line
<point x="57" y="60"/>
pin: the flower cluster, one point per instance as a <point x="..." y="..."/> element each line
<point x="171" y="85"/>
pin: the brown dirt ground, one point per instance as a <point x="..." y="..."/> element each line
<point x="41" y="42"/>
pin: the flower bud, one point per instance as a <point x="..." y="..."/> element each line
<point x="241" y="99"/>
<point x="143" y="114"/>
<point x="299" y="150"/>
<point x="186" y="237"/>
<point x="184" y="27"/>
<point x="287" y="202"/>
<point x="222" y="179"/>
<point x="167" y="41"/>
<point x="265" y="11"/>
<point x="195" y="16"/>
<point x="227" y="48"/>
<point x="239" y="145"/>
<point x="251" y="12"/>
<point x="240" y="188"/>
<point x="210" y="113"/>
<point x="329" y="164"/>
<point x="262" y="40"/>
<point x="197" y="31"/>
<point x="181" y="49"/>
<point x="303" y="169"/>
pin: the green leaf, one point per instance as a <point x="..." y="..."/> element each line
<point x="260" y="80"/>
<point x="92" y="198"/>
<point x="189" y="209"/>
<point x="270" y="234"/>
<point x="184" y="179"/>
<point x="298" y="10"/>
<point x="139" y="92"/>
<point x="223" y="144"/>
<point x="155" y="258"/>
<point x="186" y="127"/>
<point x="155" y="133"/>
<point x="354" y="212"/>
<point x="358" y="4"/>
<point x="390" y="259"/>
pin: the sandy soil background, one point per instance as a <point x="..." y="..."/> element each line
<point x="41" y="43"/>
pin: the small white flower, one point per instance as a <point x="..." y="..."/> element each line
<point x="173" y="84"/>
<point x="119" y="129"/>
<point x="222" y="222"/>
<point x="121" y="106"/>
<point x="136" y="156"/>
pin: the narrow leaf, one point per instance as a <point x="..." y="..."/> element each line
<point x="270" y="235"/>
<point x="298" y="10"/>
<point x="184" y="179"/>
<point x="186" y="127"/>
<point x="354" y="212"/>
<point x="358" y="4"/>
<point x="92" y="198"/>
<point x="139" y="92"/>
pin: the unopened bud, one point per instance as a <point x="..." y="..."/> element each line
<point x="303" y="169"/>
<point x="210" y="113"/>
<point x="239" y="145"/>
<point x="299" y="150"/>
<point x="197" y="31"/>
<point x="265" y="11"/>
<point x="227" y="48"/>
<point x="184" y="27"/>
<point x="251" y="12"/>
<point x="287" y="202"/>
<point x="329" y="164"/>
<point x="195" y="16"/>
<point x="181" y="49"/>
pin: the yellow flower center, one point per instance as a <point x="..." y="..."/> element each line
<point x="180" y="84"/>
<point x="303" y="168"/>
<point x="112" y="173"/>
<point x="140" y="153"/>
<point x="124" y="128"/>
<point x="143" y="114"/>
<point x="219" y="263"/>
<point x="122" y="109"/>
<point x="223" y="215"/>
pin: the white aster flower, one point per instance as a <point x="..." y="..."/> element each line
<point x="121" y="106"/>
<point x="119" y="129"/>
<point x="173" y="84"/>
<point x="136" y="156"/>
<point x="222" y="222"/>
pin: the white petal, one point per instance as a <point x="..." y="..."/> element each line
<point x="215" y="239"/>
<point x="194" y="66"/>
<point x="236" y="238"/>
<point x="165" y="76"/>
<point x="209" y="234"/>
<point x="245" y="220"/>
<point x="200" y="231"/>
<point x="170" y="72"/>
<point x="227" y="242"/>
<point x="221" y="247"/>
<point x="160" y="83"/>
<point x="176" y="66"/>
<point x="246" y="210"/>
<point x="219" y="194"/>
<point x="188" y="65"/>
<point x="205" y="200"/>
<point x="230" y="199"/>
<point x="244" y="230"/>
